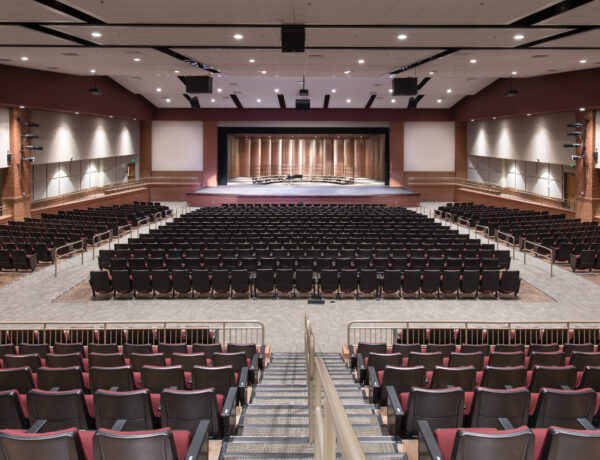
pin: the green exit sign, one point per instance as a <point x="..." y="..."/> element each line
<point x="132" y="160"/>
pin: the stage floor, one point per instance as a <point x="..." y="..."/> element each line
<point x="305" y="193"/>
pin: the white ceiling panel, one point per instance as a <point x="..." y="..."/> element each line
<point x="588" y="14"/>
<point x="17" y="35"/>
<point x="311" y="12"/>
<point x="30" y="11"/>
<point x="320" y="63"/>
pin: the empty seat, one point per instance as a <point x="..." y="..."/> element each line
<point x="428" y="360"/>
<point x="562" y="408"/>
<point x="591" y="378"/>
<point x="553" y="377"/>
<point x="66" y="378"/>
<point x="188" y="360"/>
<point x="64" y="360"/>
<point x="158" y="378"/>
<point x="11" y="412"/>
<point x="119" y="378"/>
<point x="510" y="359"/>
<point x="570" y="444"/>
<point x="106" y="359"/>
<point x="139" y="360"/>
<point x="489" y="405"/>
<point x="581" y="359"/>
<point x="101" y="283"/>
<point x="555" y="358"/>
<point x="31" y="361"/>
<point x="60" y="409"/>
<point x="502" y="377"/>
<point x="64" y="444"/>
<point x="402" y="379"/>
<point x="132" y="406"/>
<point x="445" y="377"/>
<point x="467" y="359"/>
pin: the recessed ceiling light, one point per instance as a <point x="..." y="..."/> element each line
<point x="21" y="106"/>
<point x="158" y="90"/>
<point x="168" y="99"/>
<point x="472" y="119"/>
<point x="176" y="71"/>
<point x="238" y="36"/>
<point x="519" y="37"/>
<point x="393" y="101"/>
<point x="528" y="114"/>
<point x="76" y="113"/>
<point x="212" y="100"/>
<point x="24" y="58"/>
<point x="431" y="72"/>
<point x="514" y="72"/>
<point x="96" y="34"/>
<point x="449" y="90"/>
<point x="348" y="101"/>
<point x="135" y="119"/>
<point x="439" y="101"/>
<point x="473" y="61"/>
<point x="347" y="71"/>
<point x="493" y="118"/>
<point x="219" y="90"/>
<point x="276" y="90"/>
<point x="581" y="109"/>
<point x="333" y="90"/>
<point x="136" y="59"/>
<point x="402" y="37"/>
<point x="92" y="70"/>
<point x="263" y="72"/>
<point x="110" y="116"/>
<point x="390" y="90"/>
<point x="251" y="61"/>
<point x="583" y="61"/>
<point x="361" y="61"/>
<point x="258" y="100"/>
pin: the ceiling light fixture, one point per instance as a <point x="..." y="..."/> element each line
<point x="24" y="58"/>
<point x="212" y="100"/>
<point x="136" y="59"/>
<point x="519" y="37"/>
<point x="393" y="101"/>
<point x="472" y="119"/>
<point x="348" y="101"/>
<point x="276" y="90"/>
<point x="528" y="114"/>
<point x="514" y="72"/>
<point x="176" y="71"/>
<point x="96" y="34"/>
<point x="431" y="72"/>
<point x="158" y="90"/>
<point x="333" y="90"/>
<point x="258" y="100"/>
<point x="92" y="70"/>
<point x="251" y="61"/>
<point x="219" y="90"/>
<point x="263" y="72"/>
<point x="439" y="101"/>
<point x="449" y="90"/>
<point x="238" y="36"/>
<point x="583" y="61"/>
<point x="402" y="37"/>
<point x="361" y="61"/>
<point x="21" y="106"/>
<point x="168" y="99"/>
<point x="76" y="113"/>
<point x="473" y="61"/>
<point x="347" y="72"/>
<point x="581" y="109"/>
<point x="390" y="90"/>
<point x="110" y="116"/>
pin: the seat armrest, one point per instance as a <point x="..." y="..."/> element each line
<point x="261" y="357"/>
<point x="428" y="446"/>
<point x="119" y="425"/>
<point x="198" y="449"/>
<point x="374" y="389"/>
<point x="508" y="387"/>
<point x="565" y="387"/>
<point x="505" y="423"/>
<point x="352" y="356"/>
<point x="585" y="423"/>
<point x="361" y="369"/>
<point x="394" y="411"/>
<point x="242" y="385"/>
<point x="253" y="369"/>
<point x="228" y="412"/>
<point x="37" y="426"/>
<point x="114" y="389"/>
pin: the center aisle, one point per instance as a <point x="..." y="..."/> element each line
<point x="275" y="424"/>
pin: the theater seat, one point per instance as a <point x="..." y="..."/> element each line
<point x="489" y="405"/>
<point x="132" y="406"/>
<point x="563" y="408"/>
<point x="60" y="409"/>
<point x="571" y="444"/>
<point x="18" y="445"/>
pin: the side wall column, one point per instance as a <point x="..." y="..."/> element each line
<point x="587" y="177"/>
<point x="396" y="154"/>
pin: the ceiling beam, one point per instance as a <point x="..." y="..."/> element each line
<point x="370" y="101"/>
<point x="550" y="12"/>
<point x="236" y="101"/>
<point x="59" y="6"/>
<point x="424" y="61"/>
<point x="281" y="99"/>
<point x="326" y="101"/>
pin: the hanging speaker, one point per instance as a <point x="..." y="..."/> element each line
<point x="404" y="86"/>
<point x="198" y="84"/>
<point x="292" y="38"/>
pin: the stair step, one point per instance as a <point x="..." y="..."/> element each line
<point x="302" y="409"/>
<point x="285" y="419"/>
<point x="295" y="431"/>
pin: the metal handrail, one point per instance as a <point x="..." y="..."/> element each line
<point x="535" y="249"/>
<point x="56" y="256"/>
<point x="120" y="233"/>
<point x="465" y="223"/>
<point x="507" y="239"/>
<point x="328" y="420"/>
<point x="157" y="216"/>
<point x="223" y="326"/>
<point x="144" y="221"/>
<point x="483" y="229"/>
<point x="97" y="240"/>
<point x="373" y="326"/>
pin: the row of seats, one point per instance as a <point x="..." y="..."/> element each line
<point x="17" y="259"/>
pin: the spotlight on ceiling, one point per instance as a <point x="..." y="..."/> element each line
<point x="574" y="125"/>
<point x="574" y="133"/>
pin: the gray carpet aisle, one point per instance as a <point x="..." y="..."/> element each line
<point x="275" y="423"/>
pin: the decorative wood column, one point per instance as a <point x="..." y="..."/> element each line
<point x="276" y="145"/>
<point x="338" y="156"/>
<point x="587" y="177"/>
<point x="265" y="157"/>
<point x="359" y="158"/>
<point x="287" y="149"/>
<point x="16" y="191"/>
<point x="327" y="156"/>
<point x="253" y="166"/>
<point x="396" y="154"/>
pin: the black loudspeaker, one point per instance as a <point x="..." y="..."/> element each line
<point x="292" y="39"/>
<point x="201" y="84"/>
<point x="404" y="86"/>
<point x="302" y="104"/>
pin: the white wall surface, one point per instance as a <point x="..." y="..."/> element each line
<point x="4" y="136"/>
<point x="537" y="138"/>
<point x="67" y="137"/>
<point x="177" y="146"/>
<point x="429" y="146"/>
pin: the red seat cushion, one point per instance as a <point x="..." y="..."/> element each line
<point x="155" y="400"/>
<point x="23" y="404"/>
<point x="220" y="402"/>
<point x="380" y="377"/>
<point x="87" y="444"/>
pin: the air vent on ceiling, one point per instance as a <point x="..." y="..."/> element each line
<point x="539" y="56"/>
<point x="316" y="56"/>
<point x="137" y="78"/>
<point x="69" y="54"/>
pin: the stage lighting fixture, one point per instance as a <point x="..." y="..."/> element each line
<point x="31" y="159"/>
<point x="192" y="100"/>
<point x="574" y="133"/>
<point x="31" y="136"/>
<point x="574" y="125"/>
<point x="95" y="91"/>
<point x="31" y="125"/>
<point x="576" y="157"/>
<point x="34" y="147"/>
<point x="572" y="145"/>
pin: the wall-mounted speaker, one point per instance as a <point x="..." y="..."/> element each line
<point x="198" y="84"/>
<point x="302" y="104"/>
<point x="404" y="86"/>
<point x="292" y="38"/>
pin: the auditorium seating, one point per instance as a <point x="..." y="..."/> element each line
<point x="349" y="250"/>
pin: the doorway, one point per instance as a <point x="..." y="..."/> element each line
<point x="130" y="172"/>
<point x="569" y="189"/>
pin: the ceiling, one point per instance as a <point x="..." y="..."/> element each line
<point x="454" y="47"/>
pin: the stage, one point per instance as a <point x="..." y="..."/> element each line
<point x="358" y="193"/>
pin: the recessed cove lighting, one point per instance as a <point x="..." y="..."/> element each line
<point x="347" y="71"/>
<point x="110" y="116"/>
<point x="251" y="61"/>
<point x="449" y="90"/>
<point x="493" y="118"/>
<point x="361" y="61"/>
<point x="581" y="109"/>
<point x="519" y="37"/>
<point x="348" y="101"/>
<point x="136" y="59"/>
<point x="158" y="90"/>
<point x="219" y="90"/>
<point x="96" y="34"/>
<point x="333" y="90"/>
<point x="514" y="72"/>
<point x="393" y="101"/>
<point x="258" y="100"/>
<point x="238" y="36"/>
<point x="439" y="101"/>
<point x="472" y="119"/>
<point x="276" y="90"/>
<point x="583" y="61"/>
<point x="402" y="37"/>
<point x="92" y="70"/>
<point x="24" y="58"/>
<point x="212" y="100"/>
<point x="473" y="61"/>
